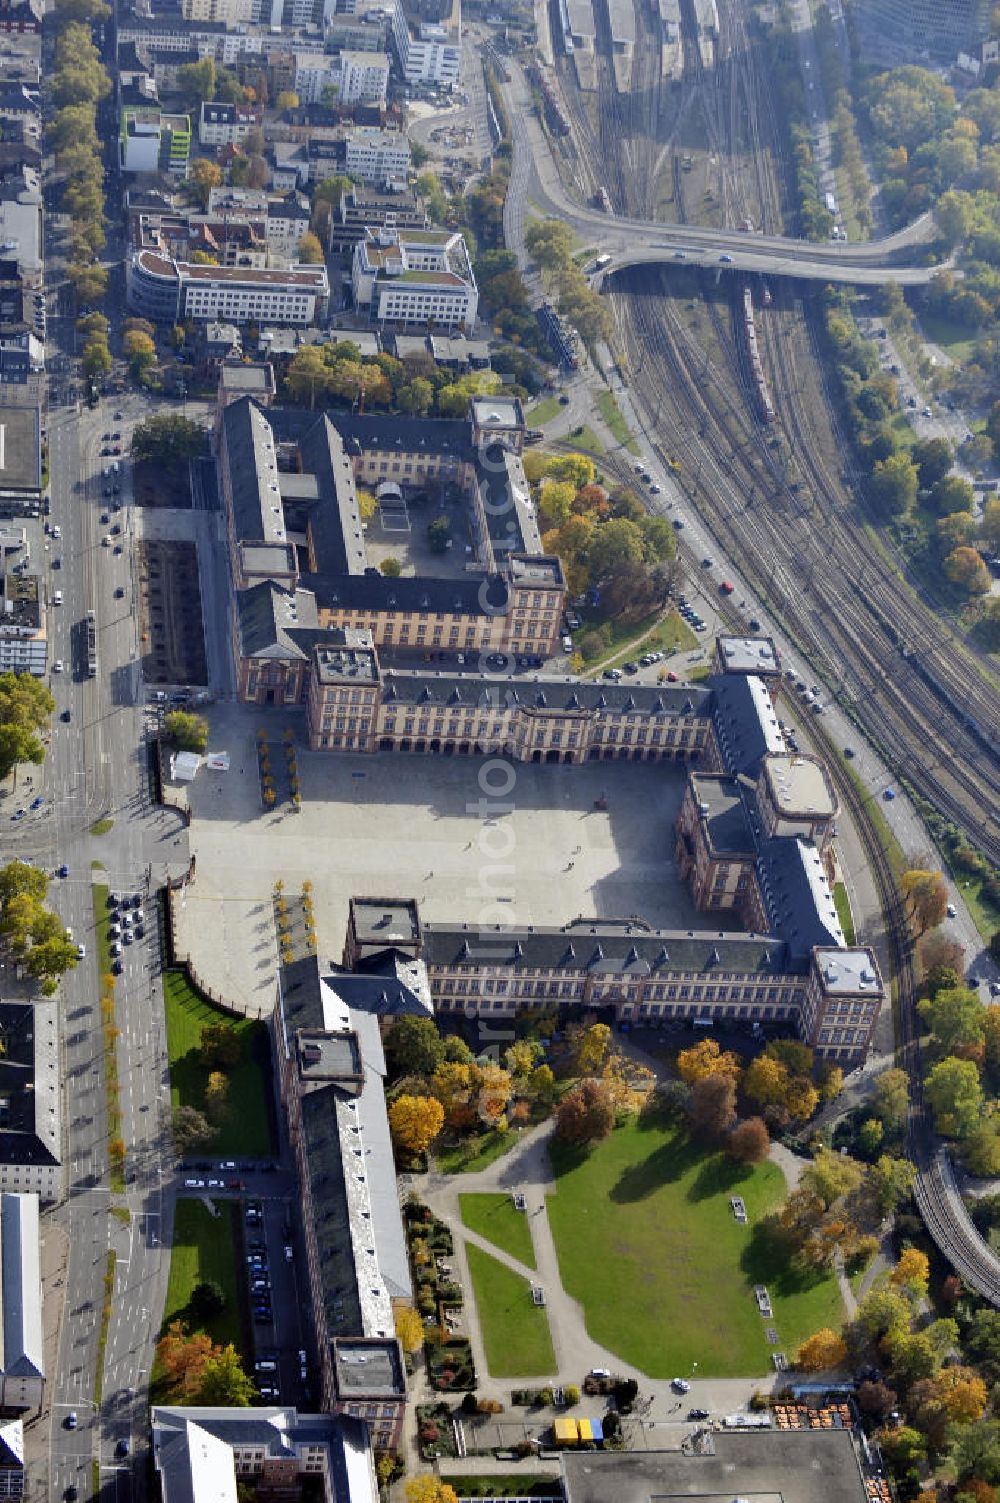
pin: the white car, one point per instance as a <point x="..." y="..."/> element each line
<point x="57" y="666"/>
<point x="680" y="1385"/>
<point x="81" y="952"/>
<point x="951" y="911"/>
<point x="57" y="532"/>
<point x="57" y="597"/>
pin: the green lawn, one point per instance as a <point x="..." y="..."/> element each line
<point x="515" y="1331"/>
<point x="669" y="634"/>
<point x="494" y="1217"/>
<point x="248" y="1128"/>
<point x="469" y="1155"/>
<point x="648" y="1243"/>
<point x="612" y="415"/>
<point x="205" y="1250"/>
<point x="544" y="411"/>
<point x="955" y="339"/>
<point x="585" y="438"/>
<point x="843" y="904"/>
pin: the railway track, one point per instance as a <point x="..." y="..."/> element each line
<point x="841" y="601"/>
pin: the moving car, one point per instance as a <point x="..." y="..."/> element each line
<point x="680" y="1385"/>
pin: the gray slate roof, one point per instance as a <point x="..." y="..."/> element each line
<point x="31" y="1126"/>
<point x="622" y="949"/>
<point x="540" y="692"/>
<point x="22" y="1347"/>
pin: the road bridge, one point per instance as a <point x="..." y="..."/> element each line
<point x="749" y="257"/>
<point x="536" y="179"/>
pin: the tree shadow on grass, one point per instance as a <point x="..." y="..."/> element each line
<point x="664" y="1165"/>
<point x="766" y="1260"/>
<point x="718" y="1175"/>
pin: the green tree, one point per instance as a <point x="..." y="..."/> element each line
<point x="888" y="1181"/>
<point x="954" y="214"/>
<point x="956" y="1097"/>
<point x="415" y="396"/>
<point x="168" y="439"/>
<point x="975" y="1449"/>
<point x="196" y="81"/>
<point x="18" y="878"/>
<point x="203" y="175"/>
<point x="933" y="458"/>
<point x="308" y="374"/>
<point x="891" y="1098"/>
<point x="894" y="483"/>
<point x="223" y="1381"/>
<point x="221" y="1046"/>
<point x="439" y="534"/>
<point x="391" y="568"/>
<point x="414" y="1047"/>
<point x="966" y="570"/>
<point x="614" y="543"/>
<point x="207" y="1300"/>
<point x="953" y="493"/>
<point x="831" y="1176"/>
<point x="96" y="358"/>
<point x="191" y="1128"/>
<point x="955" y="1018"/>
<point x="25" y="708"/>
<point x="310" y="251"/>
<point x="185" y="731"/>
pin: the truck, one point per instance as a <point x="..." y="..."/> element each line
<point x="830" y="202"/>
<point x="601" y="262"/>
<point x="91" y="626"/>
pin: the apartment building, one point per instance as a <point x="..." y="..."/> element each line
<point x="24" y="646"/>
<point x="163" y="290"/>
<point x="12" y="1463"/>
<point x="152" y="141"/>
<point x="225" y="12"/>
<point x="315" y="74"/>
<point x="415" y="277"/>
<point x="377" y="156"/>
<point x="429" y="52"/>
<point x="221" y="124"/>
<point x="364" y="78"/>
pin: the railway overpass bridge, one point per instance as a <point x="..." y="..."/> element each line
<point x="748" y="256"/>
<point x="536" y="182"/>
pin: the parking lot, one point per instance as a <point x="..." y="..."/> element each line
<point x="271" y="1258"/>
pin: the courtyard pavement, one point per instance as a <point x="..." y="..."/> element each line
<point x="536" y="851"/>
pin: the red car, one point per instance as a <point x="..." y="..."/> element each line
<point x="672" y="677"/>
<point x="727" y="587"/>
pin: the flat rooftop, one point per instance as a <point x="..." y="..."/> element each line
<point x="20" y="449"/>
<point x="384" y="921"/>
<point x="849" y="973"/>
<point x="351" y="661"/>
<point x="747" y="655"/>
<point x="800" y="785"/>
<point x="368" y="1367"/>
<point x="793" y="1467"/>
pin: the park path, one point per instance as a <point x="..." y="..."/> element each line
<point x="528" y="1170"/>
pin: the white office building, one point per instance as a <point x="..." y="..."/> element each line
<point x="415" y="277"/>
<point x="364" y="77"/>
<point x="165" y="290"/>
<point x="377" y="156"/>
<point x="428" y="52"/>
